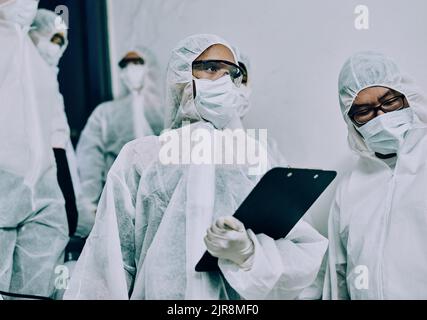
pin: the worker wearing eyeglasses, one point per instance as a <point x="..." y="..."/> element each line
<point x="378" y="220"/>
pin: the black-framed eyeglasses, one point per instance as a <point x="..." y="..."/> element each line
<point x="363" y="114"/>
<point x="215" y="69"/>
<point x="245" y="73"/>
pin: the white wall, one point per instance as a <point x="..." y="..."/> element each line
<point x="296" y="48"/>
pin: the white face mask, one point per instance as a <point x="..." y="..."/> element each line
<point x="217" y="101"/>
<point x="385" y="134"/>
<point x="21" y="12"/>
<point x="50" y="52"/>
<point x="244" y="100"/>
<point x="133" y="76"/>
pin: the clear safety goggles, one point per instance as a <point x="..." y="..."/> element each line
<point x="215" y="69"/>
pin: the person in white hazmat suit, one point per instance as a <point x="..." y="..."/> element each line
<point x="115" y="123"/>
<point x="50" y="35"/>
<point x="33" y="223"/>
<point x="152" y="217"/>
<point x="377" y="223"/>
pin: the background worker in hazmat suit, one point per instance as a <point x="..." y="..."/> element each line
<point x="33" y="223"/>
<point x="49" y="34"/>
<point x="115" y="123"/>
<point x="152" y="217"/>
<point x="377" y="223"/>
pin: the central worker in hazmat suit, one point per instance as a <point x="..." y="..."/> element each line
<point x="152" y="217"/>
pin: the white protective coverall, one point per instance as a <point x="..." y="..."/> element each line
<point x="45" y="26"/>
<point x="109" y="128"/>
<point x="33" y="223"/>
<point x="152" y="218"/>
<point x="378" y="221"/>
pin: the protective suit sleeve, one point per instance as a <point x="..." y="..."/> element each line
<point x="281" y="269"/>
<point x="91" y="166"/>
<point x="335" y="285"/>
<point x="315" y="290"/>
<point x="106" y="268"/>
<point x="60" y="127"/>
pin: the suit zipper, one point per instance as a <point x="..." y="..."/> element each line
<point x="389" y="201"/>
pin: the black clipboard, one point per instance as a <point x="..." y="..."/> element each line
<point x="276" y="204"/>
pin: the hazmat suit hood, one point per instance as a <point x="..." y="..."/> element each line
<point x="153" y="104"/>
<point x="245" y="90"/>
<point x="179" y="91"/>
<point x="370" y="69"/>
<point x="46" y="25"/>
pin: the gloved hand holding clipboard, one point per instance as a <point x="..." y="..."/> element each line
<point x="276" y="204"/>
